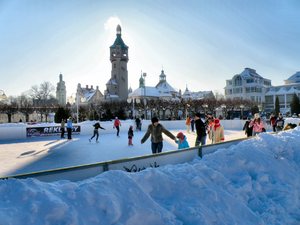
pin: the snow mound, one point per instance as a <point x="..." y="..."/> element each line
<point x="254" y="182"/>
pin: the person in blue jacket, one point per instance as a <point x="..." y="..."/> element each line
<point x="182" y="142"/>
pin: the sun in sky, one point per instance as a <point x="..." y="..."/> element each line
<point x="200" y="44"/>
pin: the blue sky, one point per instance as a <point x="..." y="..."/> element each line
<point x="198" y="43"/>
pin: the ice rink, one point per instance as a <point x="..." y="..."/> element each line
<point x="45" y="153"/>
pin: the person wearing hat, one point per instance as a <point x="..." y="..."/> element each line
<point x="279" y="123"/>
<point x="155" y="129"/>
<point x="216" y="133"/>
<point x="246" y="128"/>
<point x="182" y="142"/>
<point x="200" y="130"/>
<point x="257" y="125"/>
<point x="69" y="128"/>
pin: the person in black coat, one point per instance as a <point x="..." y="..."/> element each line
<point x="247" y="129"/>
<point x="130" y="135"/>
<point x="96" y="132"/>
<point x="200" y="130"/>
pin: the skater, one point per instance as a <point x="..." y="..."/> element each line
<point x="130" y="136"/>
<point x="155" y="130"/>
<point x="69" y="128"/>
<point x="182" y="141"/>
<point x="96" y="131"/>
<point x="188" y="124"/>
<point x="279" y="124"/>
<point x="273" y="119"/>
<point x="138" y="123"/>
<point x="193" y="124"/>
<point x="62" y="129"/>
<point x="216" y="132"/>
<point x="257" y="124"/>
<point x="200" y="130"/>
<point x="247" y="129"/>
<point x="117" y="124"/>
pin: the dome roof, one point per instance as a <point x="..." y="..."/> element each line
<point x="293" y="79"/>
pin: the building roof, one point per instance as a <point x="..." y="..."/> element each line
<point x="196" y="95"/>
<point x="250" y="73"/>
<point x="293" y="79"/>
<point x="119" y="41"/>
<point x="141" y="92"/>
<point x="112" y="82"/>
<point x="165" y="87"/>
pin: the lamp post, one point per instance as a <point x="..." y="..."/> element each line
<point x="77" y="107"/>
<point x="242" y="110"/>
<point x="205" y="106"/>
<point x="133" y="101"/>
<point x="260" y="108"/>
<point x="145" y="101"/>
<point x="186" y="110"/>
<point x="223" y="106"/>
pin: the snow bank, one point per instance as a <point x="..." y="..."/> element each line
<point x="254" y="182"/>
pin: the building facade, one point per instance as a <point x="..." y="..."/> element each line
<point x="163" y="90"/>
<point x="117" y="86"/>
<point x="87" y="95"/>
<point x="61" y="92"/>
<point x="284" y="93"/>
<point x="247" y="85"/>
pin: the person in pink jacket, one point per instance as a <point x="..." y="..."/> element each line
<point x="257" y="125"/>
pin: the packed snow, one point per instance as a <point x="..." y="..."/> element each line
<point x="254" y="182"/>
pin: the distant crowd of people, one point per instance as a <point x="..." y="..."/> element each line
<point x="203" y="127"/>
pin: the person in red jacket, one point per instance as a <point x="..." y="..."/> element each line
<point x="117" y="124"/>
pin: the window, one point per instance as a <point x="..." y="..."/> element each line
<point x="238" y="81"/>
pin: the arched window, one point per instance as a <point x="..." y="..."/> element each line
<point x="238" y="81"/>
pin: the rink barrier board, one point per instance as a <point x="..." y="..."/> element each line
<point x="134" y="164"/>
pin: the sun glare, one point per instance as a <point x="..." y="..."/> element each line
<point x="111" y="23"/>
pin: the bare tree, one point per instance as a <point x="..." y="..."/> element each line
<point x="25" y="106"/>
<point x="42" y="97"/>
<point x="41" y="93"/>
<point x="9" y="108"/>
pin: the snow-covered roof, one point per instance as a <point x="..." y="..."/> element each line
<point x="291" y="90"/>
<point x="271" y="91"/>
<point x="140" y="92"/>
<point x="112" y="82"/>
<point x="293" y="79"/>
<point x="88" y="93"/>
<point x="196" y="95"/>
<point x="165" y="87"/>
<point x="250" y="73"/>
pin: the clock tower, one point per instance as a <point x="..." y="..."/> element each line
<point x="117" y="86"/>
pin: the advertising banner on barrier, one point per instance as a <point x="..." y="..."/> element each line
<point x="48" y="131"/>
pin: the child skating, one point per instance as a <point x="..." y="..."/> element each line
<point x="130" y="136"/>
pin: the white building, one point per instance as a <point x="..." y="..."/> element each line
<point x="3" y="97"/>
<point x="197" y="95"/>
<point x="247" y="85"/>
<point x="284" y="93"/>
<point x="163" y="90"/>
<point x="87" y="95"/>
